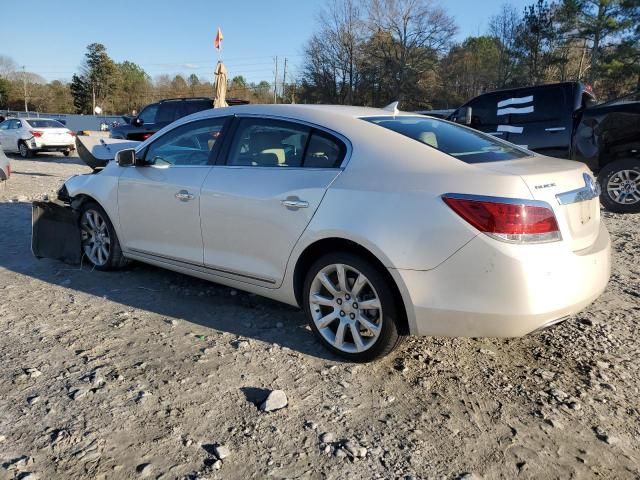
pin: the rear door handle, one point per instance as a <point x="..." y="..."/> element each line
<point x="294" y="203"/>
<point x="184" y="196"/>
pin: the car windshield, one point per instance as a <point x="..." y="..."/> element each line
<point x="462" y="143"/>
<point x="45" y="124"/>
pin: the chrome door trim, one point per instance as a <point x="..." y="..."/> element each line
<point x="198" y="267"/>
<point x="590" y="191"/>
<point x="555" y="129"/>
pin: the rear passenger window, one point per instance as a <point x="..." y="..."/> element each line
<point x="268" y="143"/>
<point x="324" y="151"/>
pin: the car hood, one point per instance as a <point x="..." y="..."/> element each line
<point x="98" y="151"/>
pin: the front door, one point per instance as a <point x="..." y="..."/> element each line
<point x="159" y="204"/>
<point x="257" y="205"/>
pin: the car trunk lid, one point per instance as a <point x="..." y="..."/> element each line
<point x="55" y="136"/>
<point x="568" y="187"/>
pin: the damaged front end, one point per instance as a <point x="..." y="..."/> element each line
<point x="55" y="232"/>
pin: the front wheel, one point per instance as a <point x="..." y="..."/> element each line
<point x="350" y="306"/>
<point x="620" y="184"/>
<point x="100" y="245"/>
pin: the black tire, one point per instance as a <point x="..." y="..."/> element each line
<point x="115" y="259"/>
<point x="66" y="153"/>
<point x="389" y="337"/>
<point x="605" y="176"/>
<point x="24" y="150"/>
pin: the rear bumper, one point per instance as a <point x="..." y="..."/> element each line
<point x="493" y="289"/>
<point x="49" y="147"/>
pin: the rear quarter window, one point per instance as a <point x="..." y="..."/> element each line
<point x="464" y="144"/>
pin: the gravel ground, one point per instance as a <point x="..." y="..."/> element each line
<point x="146" y="373"/>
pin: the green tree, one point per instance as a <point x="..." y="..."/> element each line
<point x="96" y="81"/>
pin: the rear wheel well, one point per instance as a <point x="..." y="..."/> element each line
<point x="319" y="248"/>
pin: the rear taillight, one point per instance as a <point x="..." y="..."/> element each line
<point x="36" y="133"/>
<point x="509" y="220"/>
<point x="73" y="134"/>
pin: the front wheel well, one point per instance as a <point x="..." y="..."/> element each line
<point x="319" y="248"/>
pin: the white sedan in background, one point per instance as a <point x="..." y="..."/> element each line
<point x="5" y="167"/>
<point x="377" y="223"/>
<point x="27" y="136"/>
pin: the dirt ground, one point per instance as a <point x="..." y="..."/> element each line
<point x="146" y="373"/>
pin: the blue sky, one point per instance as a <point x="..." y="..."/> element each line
<point x="177" y="36"/>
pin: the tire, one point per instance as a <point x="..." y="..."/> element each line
<point x="100" y="244"/>
<point x="620" y="185"/>
<point x="24" y="150"/>
<point x="378" y="327"/>
<point x="66" y="153"/>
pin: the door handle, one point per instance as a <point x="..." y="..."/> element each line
<point x="294" y="203"/>
<point x="184" y="196"/>
<point x="555" y="129"/>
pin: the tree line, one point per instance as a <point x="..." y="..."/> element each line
<point x="372" y="52"/>
<point x="117" y="88"/>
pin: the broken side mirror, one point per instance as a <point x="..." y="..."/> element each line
<point x="127" y="158"/>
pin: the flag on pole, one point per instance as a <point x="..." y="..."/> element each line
<point x="218" y="41"/>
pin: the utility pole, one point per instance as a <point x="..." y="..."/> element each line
<point x="24" y="83"/>
<point x="275" y="84"/>
<point x="284" y="78"/>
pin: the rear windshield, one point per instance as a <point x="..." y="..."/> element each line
<point x="45" y="124"/>
<point x="459" y="142"/>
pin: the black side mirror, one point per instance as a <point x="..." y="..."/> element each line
<point x="127" y="158"/>
<point x="137" y="122"/>
<point x="463" y="115"/>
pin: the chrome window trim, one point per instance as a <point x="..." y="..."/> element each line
<point x="590" y="191"/>
<point x="345" y="140"/>
<point x="488" y="198"/>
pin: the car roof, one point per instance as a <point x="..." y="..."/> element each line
<point x="28" y="119"/>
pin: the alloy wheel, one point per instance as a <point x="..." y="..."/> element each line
<point x="24" y="151"/>
<point x="96" y="241"/>
<point x="345" y="308"/>
<point x="624" y="187"/>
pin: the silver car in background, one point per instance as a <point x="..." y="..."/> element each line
<point x="28" y="136"/>
<point x="377" y="223"/>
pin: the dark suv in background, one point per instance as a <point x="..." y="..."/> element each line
<point x="564" y="120"/>
<point x="156" y="116"/>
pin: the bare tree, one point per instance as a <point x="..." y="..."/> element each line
<point x="504" y="27"/>
<point x="420" y="31"/>
<point x="7" y="66"/>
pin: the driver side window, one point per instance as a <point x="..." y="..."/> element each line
<point x="192" y="144"/>
<point x="148" y="115"/>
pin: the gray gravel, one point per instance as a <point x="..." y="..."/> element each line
<point x="142" y="373"/>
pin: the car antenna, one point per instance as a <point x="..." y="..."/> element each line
<point x="392" y="107"/>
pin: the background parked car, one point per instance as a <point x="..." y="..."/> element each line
<point x="156" y="116"/>
<point x="562" y="120"/>
<point x="28" y="136"/>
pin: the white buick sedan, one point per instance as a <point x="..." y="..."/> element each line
<point x="377" y="223"/>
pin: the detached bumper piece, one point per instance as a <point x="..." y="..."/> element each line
<point x="55" y="232"/>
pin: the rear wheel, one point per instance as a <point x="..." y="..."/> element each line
<point x="620" y="184"/>
<point x="66" y="153"/>
<point x="351" y="308"/>
<point x="100" y="245"/>
<point x="24" y="150"/>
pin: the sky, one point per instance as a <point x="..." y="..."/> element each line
<point x="170" y="36"/>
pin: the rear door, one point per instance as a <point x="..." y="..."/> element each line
<point x="159" y="204"/>
<point x="539" y="119"/>
<point x="256" y="206"/>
